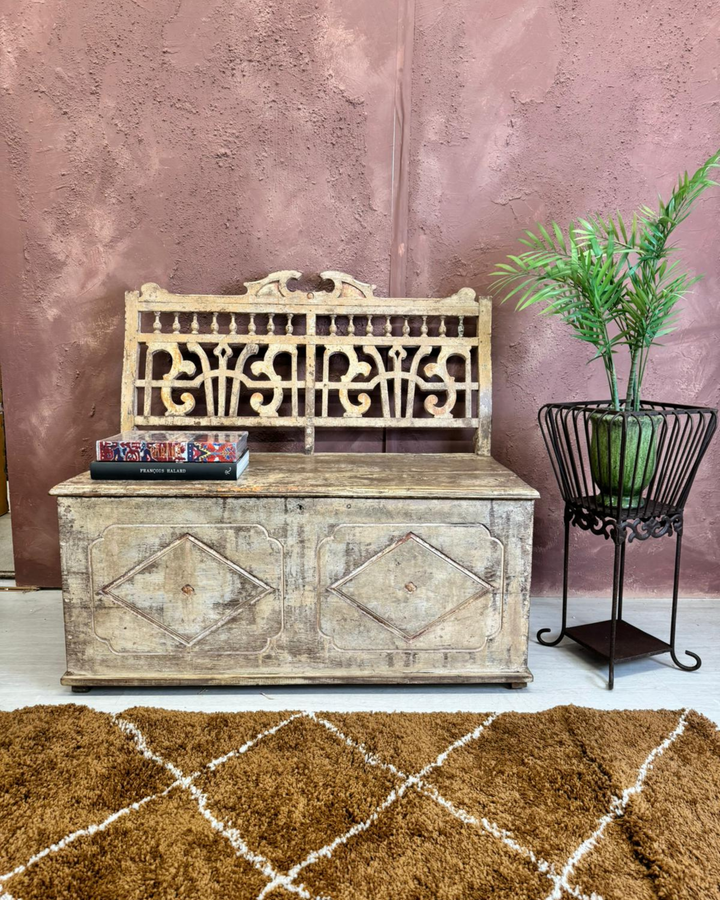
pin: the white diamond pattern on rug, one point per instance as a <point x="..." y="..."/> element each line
<point x="410" y="586"/>
<point x="290" y="882"/>
<point x="187" y="589"/>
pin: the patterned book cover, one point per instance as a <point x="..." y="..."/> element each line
<point x="167" y="446"/>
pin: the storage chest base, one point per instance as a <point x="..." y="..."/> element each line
<point x="518" y="678"/>
<point x="196" y="584"/>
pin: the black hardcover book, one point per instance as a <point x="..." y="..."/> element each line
<point x="167" y="471"/>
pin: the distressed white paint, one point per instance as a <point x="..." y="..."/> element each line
<point x="273" y="590"/>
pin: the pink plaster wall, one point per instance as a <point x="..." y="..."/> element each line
<point x="203" y="144"/>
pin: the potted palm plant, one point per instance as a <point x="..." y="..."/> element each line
<point x="617" y="285"/>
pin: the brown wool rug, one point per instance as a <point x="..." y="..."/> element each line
<point x="151" y="803"/>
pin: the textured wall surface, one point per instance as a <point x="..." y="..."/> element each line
<point x="200" y="145"/>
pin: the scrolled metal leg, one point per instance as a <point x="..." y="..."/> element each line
<point x="618" y="573"/>
<point x="673" y="621"/>
<point x="565" y="594"/>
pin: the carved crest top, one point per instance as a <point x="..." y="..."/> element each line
<point x="279" y="286"/>
<point x="279" y="355"/>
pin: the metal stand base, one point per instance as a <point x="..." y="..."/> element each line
<point x="615" y="639"/>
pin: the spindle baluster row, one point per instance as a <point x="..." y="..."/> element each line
<point x="339" y="325"/>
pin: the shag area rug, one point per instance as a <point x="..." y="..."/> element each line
<point x="151" y="803"/>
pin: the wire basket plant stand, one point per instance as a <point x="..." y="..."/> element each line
<point x="625" y="476"/>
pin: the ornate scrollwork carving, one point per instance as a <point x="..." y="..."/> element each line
<point x="610" y="528"/>
<point x="344" y="287"/>
<point x="247" y="351"/>
<point x="221" y="346"/>
<point x="440" y="370"/>
<point x="380" y="378"/>
<point x="209" y="377"/>
<point x="395" y="376"/>
<point x="413" y="380"/>
<point x="590" y="521"/>
<point x="223" y="351"/>
<point x="654" y="527"/>
<point x="274" y="285"/>
<point x="207" y="374"/>
<point x="179" y="366"/>
<point x="355" y="368"/>
<point x="266" y="367"/>
<point x="397" y="354"/>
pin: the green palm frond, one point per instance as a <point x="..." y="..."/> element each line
<point x="610" y="280"/>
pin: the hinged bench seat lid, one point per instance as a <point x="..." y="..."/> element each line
<point x="374" y="475"/>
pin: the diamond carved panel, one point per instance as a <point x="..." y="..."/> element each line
<point x="187" y="589"/>
<point x="410" y="586"/>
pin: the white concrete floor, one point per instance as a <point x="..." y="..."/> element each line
<point x="32" y="659"/>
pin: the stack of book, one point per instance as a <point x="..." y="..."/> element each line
<point x="171" y="455"/>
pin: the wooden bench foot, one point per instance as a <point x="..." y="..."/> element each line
<point x="80" y="689"/>
<point x="516" y="684"/>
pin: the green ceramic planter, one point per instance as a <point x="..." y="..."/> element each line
<point x="606" y="442"/>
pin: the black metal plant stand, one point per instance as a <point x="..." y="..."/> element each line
<point x="625" y="476"/>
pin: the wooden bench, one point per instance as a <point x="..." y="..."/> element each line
<point x="327" y="567"/>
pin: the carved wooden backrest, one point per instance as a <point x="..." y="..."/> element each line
<point x="334" y="357"/>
